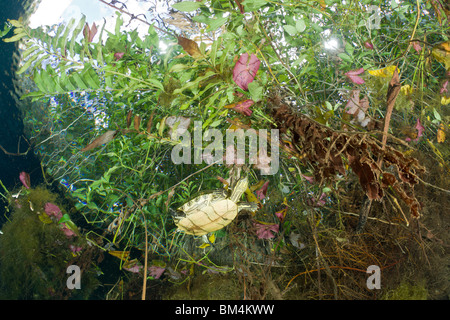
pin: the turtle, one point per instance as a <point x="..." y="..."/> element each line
<point x="213" y="210"/>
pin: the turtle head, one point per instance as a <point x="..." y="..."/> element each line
<point x="239" y="189"/>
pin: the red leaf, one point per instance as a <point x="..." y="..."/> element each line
<point x="244" y="107"/>
<point x="53" y="210"/>
<point x="261" y="192"/>
<point x="118" y="55"/>
<point x="245" y="70"/>
<point x="368" y="45"/>
<point x="264" y="231"/>
<point x="25" y="179"/>
<point x="417" y="46"/>
<point x="353" y="76"/>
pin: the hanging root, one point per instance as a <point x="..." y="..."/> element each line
<point x="329" y="152"/>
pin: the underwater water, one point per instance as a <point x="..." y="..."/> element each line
<point x="12" y="137"/>
<point x="83" y="225"/>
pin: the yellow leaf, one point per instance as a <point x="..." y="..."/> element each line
<point x="122" y="255"/>
<point x="130" y="264"/>
<point x="212" y="238"/>
<point x="441" y="134"/>
<point x="203" y="246"/>
<point x="445" y="101"/>
<point x="251" y="196"/>
<point x="384" y="73"/>
<point x="406" y="89"/>
<point x="45" y="218"/>
<point x="441" y="53"/>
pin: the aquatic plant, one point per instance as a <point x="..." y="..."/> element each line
<point x="347" y="177"/>
<point x="35" y="253"/>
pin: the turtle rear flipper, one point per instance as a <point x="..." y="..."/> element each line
<point x="249" y="206"/>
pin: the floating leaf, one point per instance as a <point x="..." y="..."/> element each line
<point x="245" y="70"/>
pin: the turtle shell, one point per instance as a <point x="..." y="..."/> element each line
<point x="208" y="218"/>
<point x="204" y="199"/>
<point x="211" y="211"/>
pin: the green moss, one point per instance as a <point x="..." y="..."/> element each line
<point x="34" y="255"/>
<point x="407" y="291"/>
<point x="207" y="287"/>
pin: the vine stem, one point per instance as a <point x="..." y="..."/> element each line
<point x="144" y="286"/>
<point x="137" y="18"/>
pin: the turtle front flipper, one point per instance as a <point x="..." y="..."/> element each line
<point x="249" y="206"/>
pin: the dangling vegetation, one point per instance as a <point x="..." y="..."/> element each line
<point x="357" y="92"/>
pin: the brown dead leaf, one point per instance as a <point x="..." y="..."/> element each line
<point x="191" y="47"/>
<point x="137" y="122"/>
<point x="103" y="139"/>
<point x="129" y="115"/>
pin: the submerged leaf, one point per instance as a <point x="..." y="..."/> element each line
<point x="244" y="107"/>
<point x="261" y="193"/>
<point x="441" y="134"/>
<point x="108" y="136"/>
<point x="266" y="231"/>
<point x="25" y="179"/>
<point x="353" y="76"/>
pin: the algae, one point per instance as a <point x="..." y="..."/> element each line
<point x="35" y="253"/>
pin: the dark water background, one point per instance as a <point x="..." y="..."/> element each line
<point x="11" y="125"/>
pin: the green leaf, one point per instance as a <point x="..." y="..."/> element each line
<point x="15" y="23"/>
<point x="345" y="57"/>
<point x="27" y="64"/>
<point x="292" y="31"/>
<point x="253" y="5"/>
<point x="156" y="83"/>
<point x="64" y="218"/>
<point x="75" y="34"/>
<point x="15" y="38"/>
<point x="255" y="90"/>
<point x="187" y="6"/>
<point x="300" y="25"/>
<point x="216" y="23"/>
